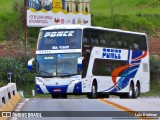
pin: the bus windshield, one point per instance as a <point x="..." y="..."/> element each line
<point x="59" y="39"/>
<point x="52" y="65"/>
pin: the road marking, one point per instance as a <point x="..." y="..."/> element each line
<point x="18" y="108"/>
<point x="125" y="109"/>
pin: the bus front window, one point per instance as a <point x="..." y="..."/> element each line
<point x="67" y="64"/>
<point x="46" y="65"/>
<point x="57" y="65"/>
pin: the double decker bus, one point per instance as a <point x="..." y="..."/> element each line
<point x="96" y="61"/>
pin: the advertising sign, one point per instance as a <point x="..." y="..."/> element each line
<point x="42" y="13"/>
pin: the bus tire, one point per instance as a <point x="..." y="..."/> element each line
<point x="131" y="92"/>
<point x="93" y="93"/>
<point x="137" y="90"/>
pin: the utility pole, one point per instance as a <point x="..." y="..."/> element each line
<point x="25" y="25"/>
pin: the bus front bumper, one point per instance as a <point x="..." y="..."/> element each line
<point x="73" y="87"/>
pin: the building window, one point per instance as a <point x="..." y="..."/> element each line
<point x="76" y="8"/>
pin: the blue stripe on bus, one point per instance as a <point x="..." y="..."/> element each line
<point x="136" y="54"/>
<point x="129" y="72"/>
<point x="78" y="88"/>
<point x="39" y="90"/>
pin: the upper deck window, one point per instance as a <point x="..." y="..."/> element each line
<point x="59" y="39"/>
<point x="114" y="39"/>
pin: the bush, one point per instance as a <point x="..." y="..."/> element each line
<point x="21" y="76"/>
<point x="155" y="68"/>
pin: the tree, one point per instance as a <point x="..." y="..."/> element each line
<point x="155" y="68"/>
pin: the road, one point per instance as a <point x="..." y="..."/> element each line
<point x="140" y="104"/>
<point x="87" y="109"/>
<point x="79" y="109"/>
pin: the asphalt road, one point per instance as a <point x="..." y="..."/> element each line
<point x="70" y="109"/>
<point x="140" y="104"/>
<point x="86" y="109"/>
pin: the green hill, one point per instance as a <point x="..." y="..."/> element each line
<point x="125" y="7"/>
<point x="133" y="15"/>
<point x="9" y="24"/>
<point x="6" y="6"/>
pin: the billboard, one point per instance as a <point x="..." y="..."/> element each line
<point x="42" y="13"/>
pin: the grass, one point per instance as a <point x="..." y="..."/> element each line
<point x="125" y="7"/>
<point x="154" y="90"/>
<point x="6" y="7"/>
<point x="106" y="7"/>
<point x="8" y="20"/>
<point x="132" y="15"/>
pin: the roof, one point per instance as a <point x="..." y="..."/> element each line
<point x="55" y="27"/>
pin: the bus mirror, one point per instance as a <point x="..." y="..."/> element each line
<point x="30" y="64"/>
<point x="79" y="63"/>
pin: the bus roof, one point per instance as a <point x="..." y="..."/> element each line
<point x="92" y="27"/>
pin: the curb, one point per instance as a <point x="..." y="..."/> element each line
<point x="10" y="105"/>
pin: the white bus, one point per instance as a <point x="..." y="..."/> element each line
<point x="96" y="61"/>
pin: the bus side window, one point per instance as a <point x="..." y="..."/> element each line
<point x="135" y="46"/>
<point x="130" y="44"/>
<point x="102" y="42"/>
<point x="108" y="69"/>
<point x="85" y="40"/>
<point x="130" y="47"/>
<point x="112" y="43"/>
<point x="124" y="45"/>
<point x="119" y="44"/>
<point x="92" y="41"/>
<point x="95" y="41"/>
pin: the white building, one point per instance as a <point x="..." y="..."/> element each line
<point x="77" y="5"/>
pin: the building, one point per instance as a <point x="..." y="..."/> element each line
<point x="77" y="5"/>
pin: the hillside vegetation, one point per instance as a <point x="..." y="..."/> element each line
<point x="10" y="26"/>
<point x="133" y="15"/>
<point x="125" y="7"/>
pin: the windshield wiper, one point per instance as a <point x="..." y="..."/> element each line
<point x="65" y="74"/>
<point x="44" y="72"/>
<point x="62" y="74"/>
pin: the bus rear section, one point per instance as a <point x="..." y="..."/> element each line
<point x="117" y="62"/>
<point x="118" y="72"/>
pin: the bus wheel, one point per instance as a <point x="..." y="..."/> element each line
<point x="93" y="93"/>
<point x="137" y="90"/>
<point x="131" y="92"/>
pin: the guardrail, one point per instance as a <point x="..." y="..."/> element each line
<point x="9" y="98"/>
